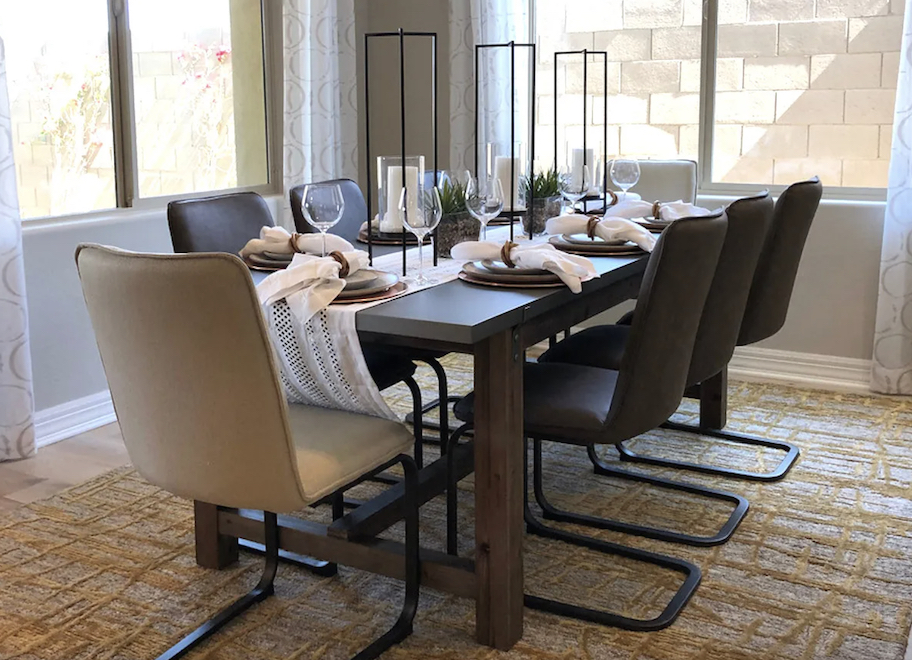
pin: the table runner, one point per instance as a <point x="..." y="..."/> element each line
<point x="321" y="362"/>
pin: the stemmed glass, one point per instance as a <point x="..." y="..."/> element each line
<point x="574" y="188"/>
<point x="484" y="200"/>
<point x="625" y="174"/>
<point x="422" y="223"/>
<point x="323" y="205"/>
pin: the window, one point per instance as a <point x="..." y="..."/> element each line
<point x="174" y="103"/>
<point x="801" y="87"/>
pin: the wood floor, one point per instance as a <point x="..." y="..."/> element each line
<point x="61" y="465"/>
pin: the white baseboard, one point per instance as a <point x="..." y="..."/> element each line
<point x="73" y="417"/>
<point x="823" y="372"/>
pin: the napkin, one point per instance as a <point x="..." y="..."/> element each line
<point x="310" y="282"/>
<point x="572" y="270"/>
<point x="279" y="241"/>
<point x="630" y="197"/>
<point x="668" y="211"/>
<point x="609" y="229"/>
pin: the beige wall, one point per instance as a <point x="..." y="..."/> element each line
<point x="411" y="15"/>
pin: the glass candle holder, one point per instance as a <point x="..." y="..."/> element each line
<point x="390" y="183"/>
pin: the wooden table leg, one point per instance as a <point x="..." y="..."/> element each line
<point x="714" y="401"/>
<point x="213" y="550"/>
<point x="498" y="490"/>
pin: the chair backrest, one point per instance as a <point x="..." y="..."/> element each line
<point x="354" y="215"/>
<point x="191" y="372"/>
<point x="667" y="180"/>
<point x="774" y="280"/>
<point x="748" y="225"/>
<point x="654" y="369"/>
<point x="223" y="223"/>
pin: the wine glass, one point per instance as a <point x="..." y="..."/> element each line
<point x="625" y="174"/>
<point x="484" y="200"/>
<point x="323" y="205"/>
<point x="574" y="187"/>
<point x="422" y="223"/>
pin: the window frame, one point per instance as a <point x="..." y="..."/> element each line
<point x="706" y="185"/>
<point x="126" y="167"/>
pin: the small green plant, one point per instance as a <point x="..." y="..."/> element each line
<point x="452" y="197"/>
<point x="544" y="184"/>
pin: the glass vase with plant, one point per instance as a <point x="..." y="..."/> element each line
<point x="545" y="188"/>
<point x="457" y="225"/>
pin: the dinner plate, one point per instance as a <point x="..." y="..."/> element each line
<point x="501" y="267"/>
<point x="391" y="292"/>
<point x="479" y="272"/>
<point x="583" y="239"/>
<point x="596" y="249"/>
<point x="271" y="267"/>
<point x="278" y="256"/>
<point x="466" y="277"/>
<point x="361" y="279"/>
<point x="583" y="252"/>
<point x="383" y="282"/>
<point x="264" y="261"/>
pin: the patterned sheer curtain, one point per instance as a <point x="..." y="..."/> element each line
<point x="17" y="429"/>
<point x="892" y="364"/>
<point x="486" y="22"/>
<point x="321" y="93"/>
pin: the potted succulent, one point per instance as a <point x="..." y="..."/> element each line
<point x="546" y="200"/>
<point x="456" y="224"/>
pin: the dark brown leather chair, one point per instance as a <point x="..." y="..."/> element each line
<point x="348" y="227"/>
<point x="583" y="405"/>
<point x="224" y="223"/>
<point x="764" y="300"/>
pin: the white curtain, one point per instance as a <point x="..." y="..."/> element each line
<point x="321" y="93"/>
<point x="892" y="364"/>
<point x="486" y="22"/>
<point x="17" y="429"/>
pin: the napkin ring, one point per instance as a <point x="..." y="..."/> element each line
<point x="505" y="254"/>
<point x="293" y="242"/>
<point x="614" y="198"/>
<point x="346" y="268"/>
<point x="590" y="227"/>
<point x="656" y="208"/>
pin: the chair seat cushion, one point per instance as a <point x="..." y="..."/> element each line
<point x="334" y="447"/>
<point x="560" y="401"/>
<point x="388" y="366"/>
<point x="601" y="346"/>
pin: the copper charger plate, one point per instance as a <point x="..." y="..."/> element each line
<point x="466" y="277"/>
<point x="266" y="269"/>
<point x="597" y="250"/>
<point x="392" y="292"/>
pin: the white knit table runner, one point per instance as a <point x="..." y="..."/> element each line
<point x="321" y="362"/>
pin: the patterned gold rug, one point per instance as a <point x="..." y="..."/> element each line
<point x="820" y="568"/>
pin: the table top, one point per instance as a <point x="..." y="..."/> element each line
<point x="461" y="313"/>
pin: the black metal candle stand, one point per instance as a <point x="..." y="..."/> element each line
<point x="511" y="215"/>
<point x="401" y="35"/>
<point x="585" y="53"/>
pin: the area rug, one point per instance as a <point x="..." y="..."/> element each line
<point x="820" y="568"/>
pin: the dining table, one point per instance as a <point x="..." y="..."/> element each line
<point x="496" y="326"/>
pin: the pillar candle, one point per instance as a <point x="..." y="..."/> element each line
<point x="502" y="172"/>
<point x="577" y="167"/>
<point x="392" y="220"/>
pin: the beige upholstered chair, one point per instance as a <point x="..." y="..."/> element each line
<point x="191" y="373"/>
<point x="667" y="180"/>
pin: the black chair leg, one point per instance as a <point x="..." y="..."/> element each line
<point x="260" y="592"/>
<point x="691" y="572"/>
<point x="403" y="626"/>
<point x="549" y="512"/>
<point x="791" y="454"/>
<point x="452" y="536"/>
<point x="417" y="420"/>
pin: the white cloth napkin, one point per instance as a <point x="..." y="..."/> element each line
<point x="609" y="229"/>
<point x="631" y="196"/>
<point x="278" y="241"/>
<point x="310" y="283"/>
<point x="668" y="211"/>
<point x="572" y="270"/>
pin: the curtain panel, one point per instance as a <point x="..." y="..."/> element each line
<point x="17" y="429"/>
<point x="892" y="356"/>
<point x="320" y="93"/>
<point x="486" y="22"/>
